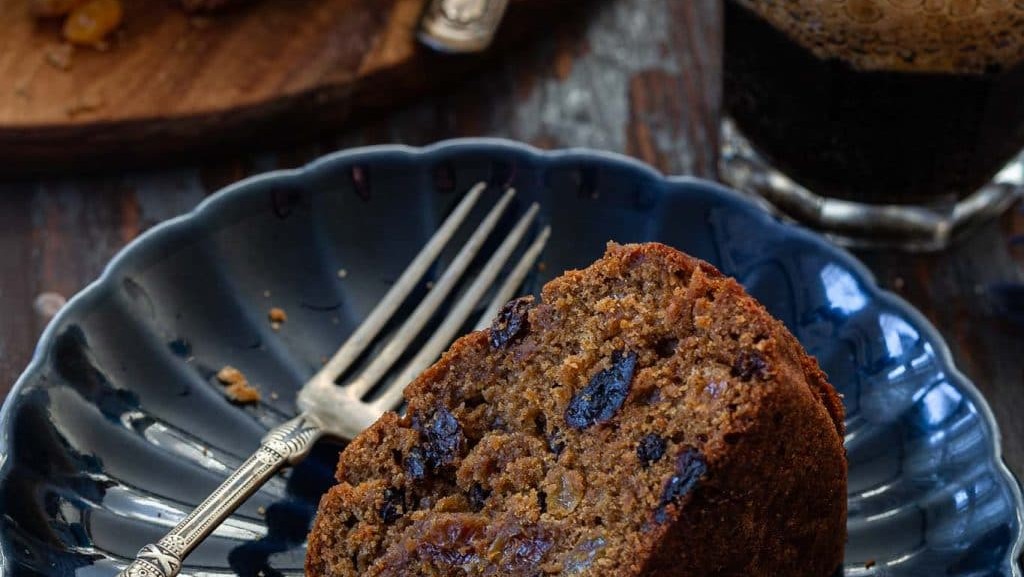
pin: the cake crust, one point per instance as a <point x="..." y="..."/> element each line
<point x="646" y="417"/>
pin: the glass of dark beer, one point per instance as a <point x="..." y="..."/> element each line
<point x="881" y="122"/>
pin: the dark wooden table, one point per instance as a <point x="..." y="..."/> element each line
<point x="634" y="76"/>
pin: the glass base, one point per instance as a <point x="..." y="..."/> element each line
<point x="860" y="225"/>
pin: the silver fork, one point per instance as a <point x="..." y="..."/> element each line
<point x="327" y="409"/>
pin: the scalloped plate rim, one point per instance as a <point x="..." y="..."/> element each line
<point x="671" y="185"/>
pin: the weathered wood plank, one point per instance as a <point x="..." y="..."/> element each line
<point x="171" y="85"/>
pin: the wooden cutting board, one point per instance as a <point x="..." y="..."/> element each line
<point x="171" y="85"/>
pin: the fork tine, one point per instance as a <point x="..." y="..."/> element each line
<point x="515" y="279"/>
<point x="455" y="318"/>
<point x="419" y="317"/>
<point x="375" y="321"/>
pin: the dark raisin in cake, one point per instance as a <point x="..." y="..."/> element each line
<point x="647" y="417"/>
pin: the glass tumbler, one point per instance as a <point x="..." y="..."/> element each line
<point x="879" y="122"/>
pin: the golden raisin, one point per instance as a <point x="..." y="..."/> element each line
<point x="90" y="23"/>
<point x="566" y="488"/>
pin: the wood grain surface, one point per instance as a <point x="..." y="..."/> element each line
<point x="634" y="76"/>
<point x="171" y="86"/>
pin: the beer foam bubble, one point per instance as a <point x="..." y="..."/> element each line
<point x="951" y="36"/>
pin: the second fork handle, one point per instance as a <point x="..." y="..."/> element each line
<point x="286" y="444"/>
<point x="461" y="26"/>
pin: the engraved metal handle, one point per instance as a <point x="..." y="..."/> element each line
<point x="286" y="444"/>
<point x="461" y="25"/>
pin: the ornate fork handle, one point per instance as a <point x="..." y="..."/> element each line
<point x="462" y="25"/>
<point x="286" y="444"/>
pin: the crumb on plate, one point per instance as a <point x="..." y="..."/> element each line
<point x="243" y="393"/>
<point x="237" y="387"/>
<point x="277" y="315"/>
<point x="230" y="375"/>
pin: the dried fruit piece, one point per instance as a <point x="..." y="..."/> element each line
<point x="516" y="549"/>
<point x="445" y="542"/>
<point x="478" y="497"/>
<point x="511" y="322"/>
<point x="603" y="396"/>
<point x="582" y="557"/>
<point x="415" y="464"/>
<point x="650" y="449"/>
<point x="89" y="23"/>
<point x="566" y="488"/>
<point x="394" y="505"/>
<point x="553" y="439"/>
<point x="442" y="439"/>
<point x="750" y="364"/>
<point x="690" y="468"/>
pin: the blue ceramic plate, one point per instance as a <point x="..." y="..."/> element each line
<point x="117" y="429"/>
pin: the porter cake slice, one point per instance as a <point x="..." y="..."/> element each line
<point x="646" y="417"/>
